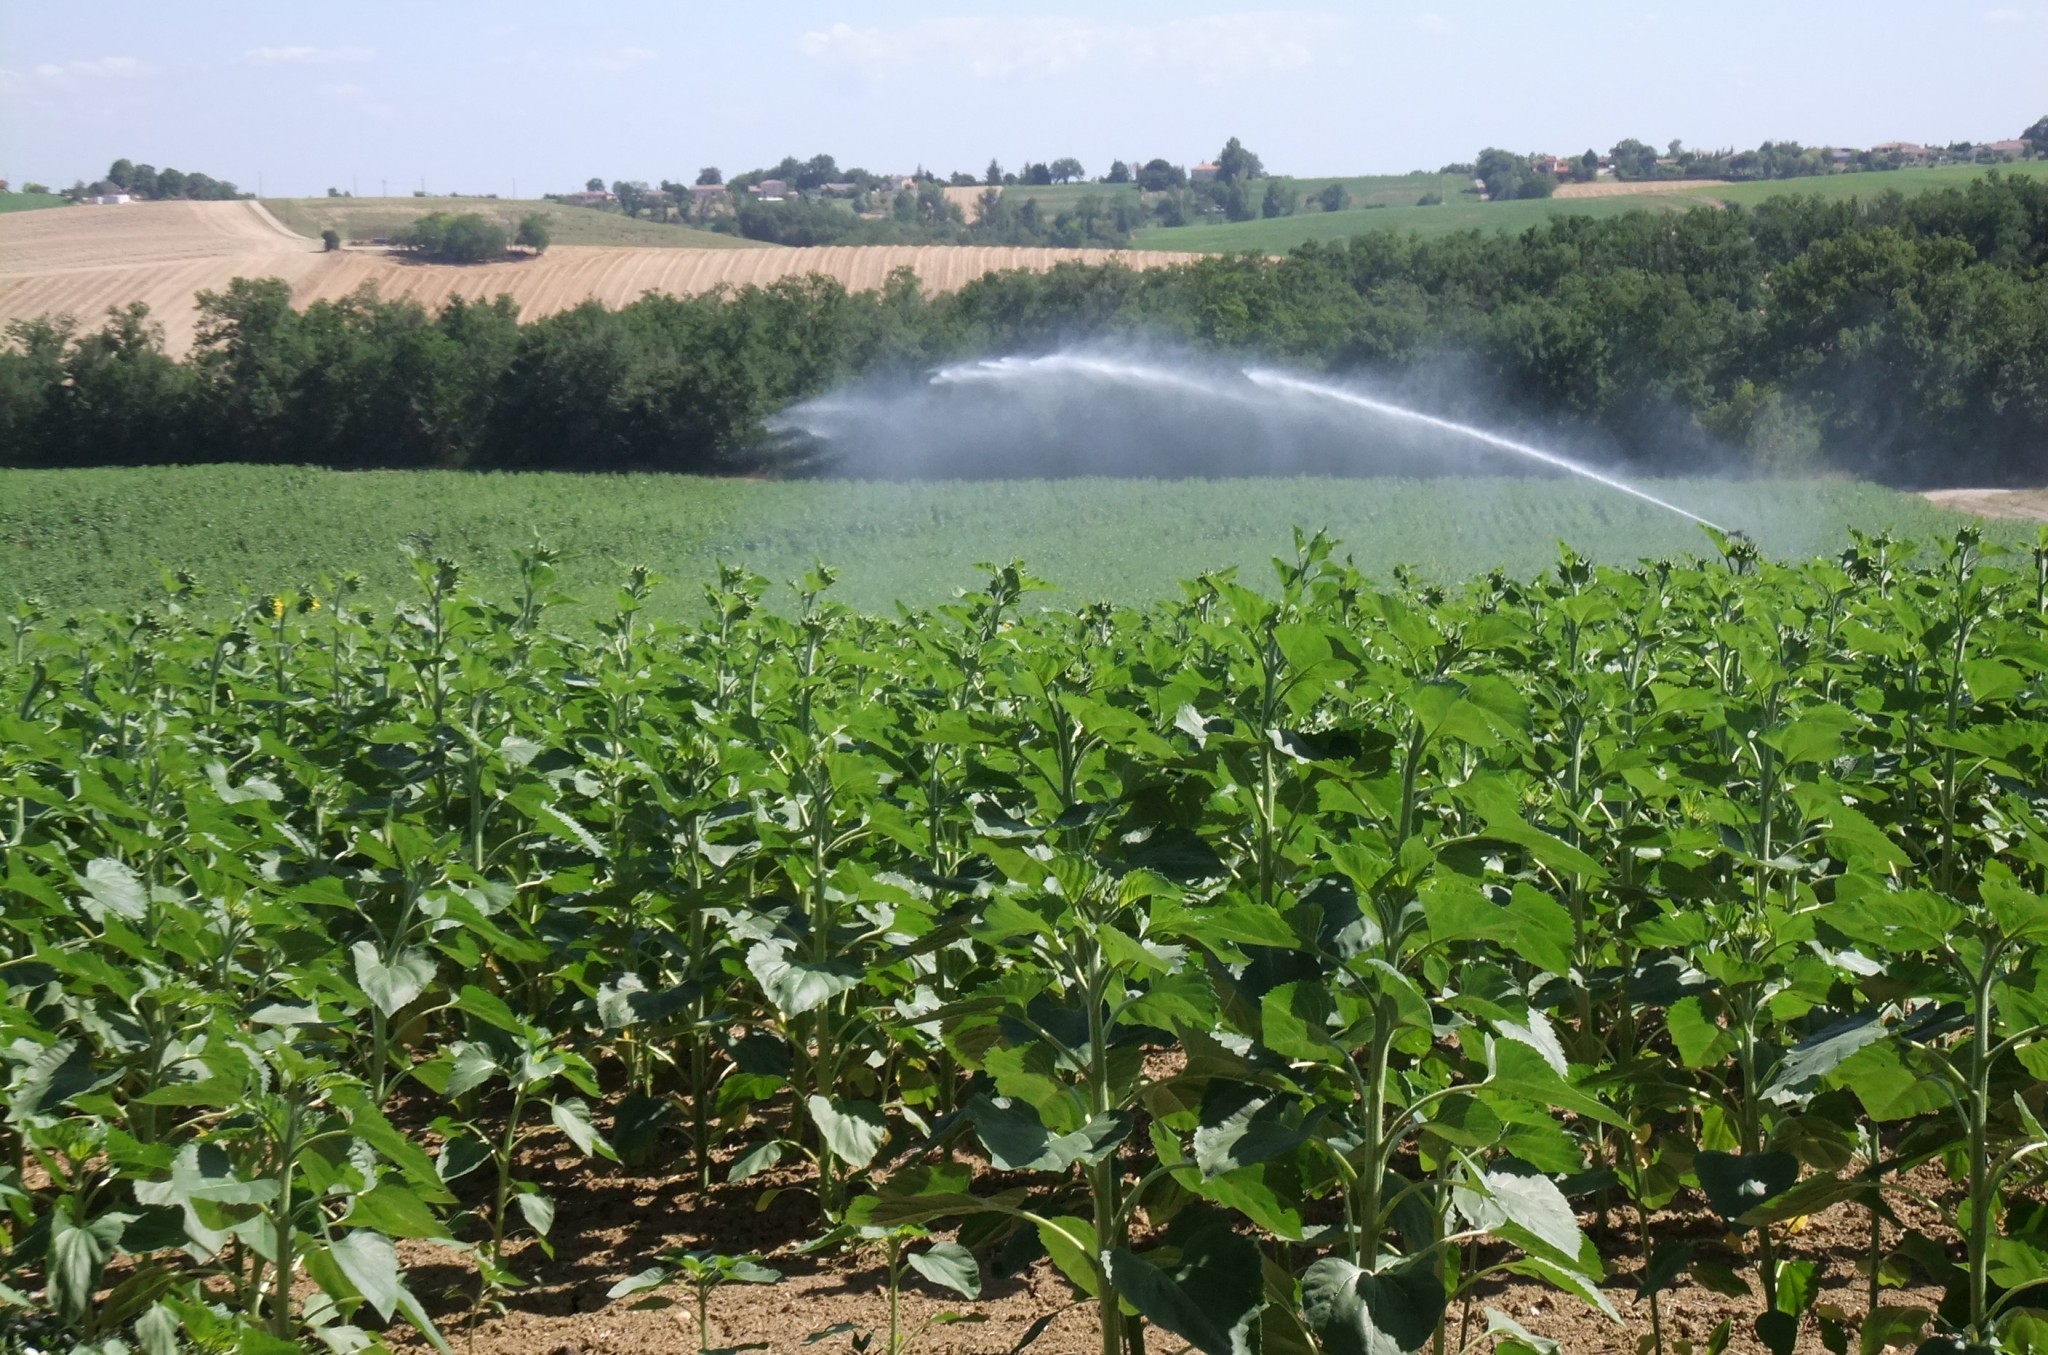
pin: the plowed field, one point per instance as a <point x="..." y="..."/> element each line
<point x="82" y="261"/>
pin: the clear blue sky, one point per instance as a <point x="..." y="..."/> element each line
<point x="484" y="97"/>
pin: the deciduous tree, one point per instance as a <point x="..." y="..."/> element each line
<point x="1234" y="163"/>
<point x="1633" y="159"/>
<point x="634" y="195"/>
<point x="1159" y="176"/>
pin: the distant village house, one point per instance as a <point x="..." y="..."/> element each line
<point x="597" y="199"/>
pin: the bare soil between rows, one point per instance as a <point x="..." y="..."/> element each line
<point x="615" y="1221"/>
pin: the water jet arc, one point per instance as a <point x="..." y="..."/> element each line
<point x="1281" y="381"/>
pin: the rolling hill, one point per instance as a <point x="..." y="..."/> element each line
<point x="1465" y="212"/>
<point x="371" y="218"/>
<point x="81" y="262"/>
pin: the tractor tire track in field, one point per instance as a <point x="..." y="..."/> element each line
<point x="82" y="261"/>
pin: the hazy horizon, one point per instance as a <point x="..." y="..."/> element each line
<point x="520" y="98"/>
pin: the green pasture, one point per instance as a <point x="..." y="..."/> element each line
<point x="30" y="202"/>
<point x="1907" y="181"/>
<point x="370" y="218"/>
<point x="1465" y="212"/>
<point x="1277" y="235"/>
<point x="1053" y="199"/>
<point x="102" y="538"/>
<point x="1374" y="190"/>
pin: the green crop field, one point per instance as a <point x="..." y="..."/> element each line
<point x="31" y="202"/>
<point x="371" y="218"/>
<point x="1310" y="962"/>
<point x="1465" y="212"/>
<point x="87" y="538"/>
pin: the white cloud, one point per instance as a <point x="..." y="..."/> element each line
<point x="305" y="56"/>
<point x="1434" y="24"/>
<point x="1207" y="48"/>
<point x="620" y="59"/>
<point x="103" y="68"/>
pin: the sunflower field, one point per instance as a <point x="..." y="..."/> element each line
<point x="1289" y="966"/>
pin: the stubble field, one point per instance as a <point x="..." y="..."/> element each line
<point x="83" y="261"/>
<point x="371" y="218"/>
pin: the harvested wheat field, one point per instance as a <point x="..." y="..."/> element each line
<point x="1612" y="188"/>
<point x="967" y="198"/>
<point x="83" y="261"/>
<point x="364" y="219"/>
<point x="2010" y="505"/>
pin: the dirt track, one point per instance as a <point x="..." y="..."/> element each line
<point x="1611" y="188"/>
<point x="82" y="261"/>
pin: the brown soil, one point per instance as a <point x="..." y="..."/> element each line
<point x="2021" y="505"/>
<point x="615" y="1221"/>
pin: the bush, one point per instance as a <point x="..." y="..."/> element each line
<point x="331" y="238"/>
<point x="1334" y="198"/>
<point x="1430" y="200"/>
<point x="533" y="233"/>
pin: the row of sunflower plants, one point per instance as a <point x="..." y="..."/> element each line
<point x="1287" y="966"/>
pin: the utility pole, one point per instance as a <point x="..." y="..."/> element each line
<point x="383" y="188"/>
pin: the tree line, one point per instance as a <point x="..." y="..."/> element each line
<point x="149" y="182"/>
<point x="1507" y="175"/>
<point x="1901" y="338"/>
<point x="470" y="237"/>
